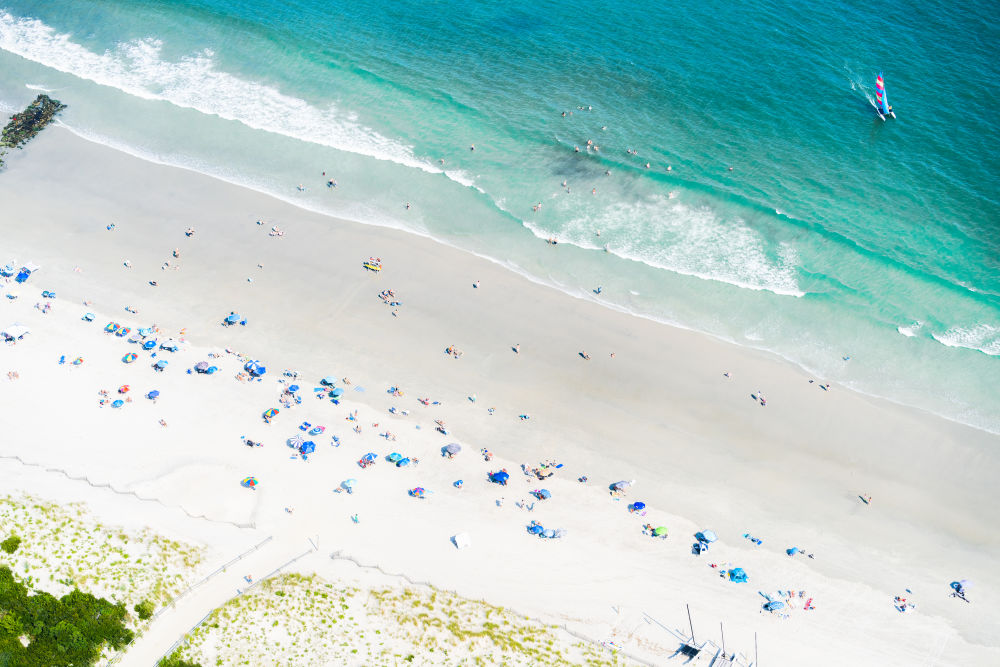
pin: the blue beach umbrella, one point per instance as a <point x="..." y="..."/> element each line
<point x="706" y="536"/>
<point x="535" y="529"/>
<point x="328" y="380"/>
<point x="403" y="462"/>
<point x="161" y="364"/>
<point x="294" y="388"/>
<point x="232" y="319"/>
<point x="118" y="403"/>
<point x="369" y="457"/>
<point x="349" y="483"/>
<point x="395" y="457"/>
<point x="499" y="477"/>
<point x="636" y="506"/>
<point x="153" y="394"/>
<point x="335" y="393"/>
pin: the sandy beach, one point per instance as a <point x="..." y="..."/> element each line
<point x="609" y="397"/>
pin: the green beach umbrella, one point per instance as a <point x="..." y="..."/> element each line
<point x="660" y="530"/>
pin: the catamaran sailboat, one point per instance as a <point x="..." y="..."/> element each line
<point x="882" y="107"/>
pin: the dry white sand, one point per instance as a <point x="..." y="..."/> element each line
<point x="703" y="452"/>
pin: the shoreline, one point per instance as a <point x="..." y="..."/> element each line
<point x="660" y="411"/>
<point x="575" y="293"/>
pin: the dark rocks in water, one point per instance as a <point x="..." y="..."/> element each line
<point x="26" y="124"/>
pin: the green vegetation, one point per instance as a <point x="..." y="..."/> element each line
<point x="297" y="620"/>
<point x="145" y="609"/>
<point x="25" y="125"/>
<point x="175" y="660"/>
<point x="71" y="630"/>
<point x="63" y="548"/>
<point x="11" y="544"/>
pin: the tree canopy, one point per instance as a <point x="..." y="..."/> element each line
<point x="70" y="631"/>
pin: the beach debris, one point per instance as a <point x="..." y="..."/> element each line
<point x="25" y="125"/>
<point x="373" y="264"/>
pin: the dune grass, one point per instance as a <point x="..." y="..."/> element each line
<point x="295" y="619"/>
<point x="63" y="547"/>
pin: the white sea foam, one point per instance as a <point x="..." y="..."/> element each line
<point x="982" y="337"/>
<point x="691" y="241"/>
<point x="40" y="88"/>
<point x="911" y="330"/>
<point x="138" y="68"/>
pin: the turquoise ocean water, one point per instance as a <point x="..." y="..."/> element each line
<point x="834" y="235"/>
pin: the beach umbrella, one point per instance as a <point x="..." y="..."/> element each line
<point x="145" y="331"/>
<point x="660" y="531"/>
<point x="395" y="457"/>
<point x="118" y="403"/>
<point x="77" y="361"/>
<point x="499" y="477"/>
<point x="271" y="413"/>
<point x="328" y="380"/>
<point x="254" y="368"/>
<point x="636" y="506"/>
<point x="161" y="364"/>
<point x="349" y="483"/>
<point x="706" y="536"/>
<point x="535" y="529"/>
<point x="294" y="388"/>
<point x="201" y="366"/>
<point x="123" y="389"/>
<point x="453" y="448"/>
<point x="249" y="482"/>
<point x="134" y="338"/>
<point x="169" y="345"/>
<point x="334" y="393"/>
<point x="622" y="485"/>
<point x="369" y="457"/>
<point x="418" y="492"/>
<point x="774" y="605"/>
<point x="149" y="344"/>
<point x="130" y="357"/>
<point x="153" y="394"/>
<point x="543" y="494"/>
<point x="296" y="441"/>
<point x="211" y="369"/>
<point x="403" y="462"/>
<point x="548" y="532"/>
<point x="738" y="575"/>
<point x="233" y="319"/>
<point x="308" y="447"/>
<point x="792" y="551"/>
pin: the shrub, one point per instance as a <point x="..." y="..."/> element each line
<point x="175" y="660"/>
<point x="40" y="629"/>
<point x="145" y="609"/>
<point x="11" y="544"/>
